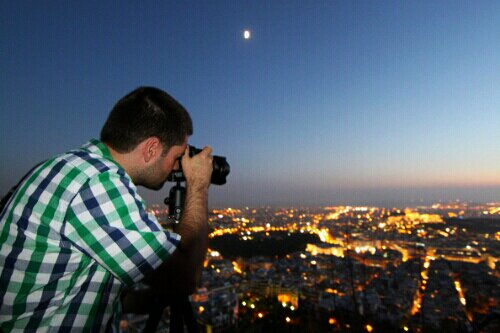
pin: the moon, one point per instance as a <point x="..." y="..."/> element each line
<point x="246" y="34"/>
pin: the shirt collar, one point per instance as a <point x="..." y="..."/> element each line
<point x="97" y="147"/>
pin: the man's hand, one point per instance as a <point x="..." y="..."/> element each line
<point x="182" y="271"/>
<point x="198" y="169"/>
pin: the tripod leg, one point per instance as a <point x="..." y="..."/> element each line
<point x="176" y="319"/>
<point x="189" y="319"/>
<point x="155" y="314"/>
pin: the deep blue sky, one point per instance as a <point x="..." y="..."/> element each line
<point x="330" y="102"/>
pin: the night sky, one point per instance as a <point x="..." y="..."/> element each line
<point x="334" y="102"/>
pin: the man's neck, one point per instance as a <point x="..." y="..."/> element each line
<point x="125" y="160"/>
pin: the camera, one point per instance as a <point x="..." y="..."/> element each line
<point x="220" y="169"/>
<point x="175" y="200"/>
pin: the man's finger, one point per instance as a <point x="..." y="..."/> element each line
<point x="208" y="151"/>
<point x="186" y="153"/>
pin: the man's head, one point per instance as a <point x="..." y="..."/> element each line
<point x="148" y="129"/>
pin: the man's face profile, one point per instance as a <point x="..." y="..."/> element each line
<point x="157" y="173"/>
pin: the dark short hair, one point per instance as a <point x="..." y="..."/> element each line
<point x="143" y="113"/>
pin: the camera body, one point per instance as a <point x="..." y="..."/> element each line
<point x="220" y="169"/>
<point x="177" y="194"/>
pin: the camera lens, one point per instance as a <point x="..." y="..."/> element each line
<point x="220" y="170"/>
<point x="219" y="165"/>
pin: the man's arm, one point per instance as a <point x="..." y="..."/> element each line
<point x="180" y="273"/>
<point x="106" y="221"/>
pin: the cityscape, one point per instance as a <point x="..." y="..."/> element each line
<point x="346" y="268"/>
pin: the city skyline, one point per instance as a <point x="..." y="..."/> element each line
<point x="387" y="103"/>
<point x="358" y="269"/>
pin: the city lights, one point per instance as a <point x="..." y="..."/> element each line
<point x="406" y="249"/>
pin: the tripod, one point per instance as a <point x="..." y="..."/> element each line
<point x="180" y="308"/>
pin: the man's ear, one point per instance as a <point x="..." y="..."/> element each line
<point x="151" y="148"/>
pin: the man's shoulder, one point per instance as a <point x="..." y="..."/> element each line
<point x="69" y="172"/>
<point x="89" y="165"/>
<point x="81" y="163"/>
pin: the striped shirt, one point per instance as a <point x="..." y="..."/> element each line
<point x="72" y="236"/>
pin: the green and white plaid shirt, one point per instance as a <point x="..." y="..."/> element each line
<point x="71" y="237"/>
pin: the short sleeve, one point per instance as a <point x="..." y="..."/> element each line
<point x="107" y="221"/>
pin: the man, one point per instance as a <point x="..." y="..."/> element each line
<point x="76" y="232"/>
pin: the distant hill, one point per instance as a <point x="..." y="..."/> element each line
<point x="276" y="244"/>
<point x="476" y="224"/>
